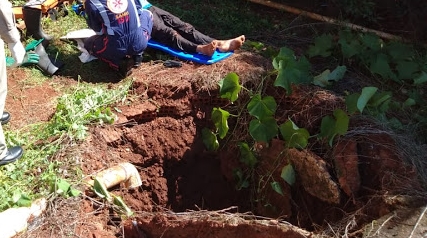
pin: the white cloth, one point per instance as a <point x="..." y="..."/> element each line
<point x="85" y="56"/>
<point x="9" y="34"/>
<point x="79" y="36"/>
<point x="18" y="52"/>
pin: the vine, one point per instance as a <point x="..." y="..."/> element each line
<point x="394" y="61"/>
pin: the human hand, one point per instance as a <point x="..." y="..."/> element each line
<point x="30" y="58"/>
<point x="9" y="61"/>
<point x="33" y="44"/>
<point x="18" y="53"/>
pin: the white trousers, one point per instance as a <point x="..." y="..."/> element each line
<point x="3" y="92"/>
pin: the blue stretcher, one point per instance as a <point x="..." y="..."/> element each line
<point x="197" y="57"/>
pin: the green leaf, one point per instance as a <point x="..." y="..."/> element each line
<point x="409" y="102"/>
<point x="285" y="55"/>
<point x="260" y="108"/>
<point x="284" y="77"/>
<point x="242" y="181"/>
<point x="369" y="99"/>
<point x="350" y="45"/>
<point x="246" y="155"/>
<point x="276" y="187"/>
<point x="230" y="87"/>
<point x="294" y="136"/>
<point x="406" y="69"/>
<point x="264" y="129"/>
<point x="210" y="140"/>
<point x="100" y="190"/>
<point x="380" y="65"/>
<point x="74" y="192"/>
<point x="351" y="102"/>
<point x="322" y="79"/>
<point x="422" y="78"/>
<point x="322" y="46"/>
<point x="332" y="126"/>
<point x="118" y="201"/>
<point x="337" y="73"/>
<point x="399" y="51"/>
<point x="371" y="41"/>
<point x="219" y="118"/>
<point x="288" y="174"/>
<point x="23" y="201"/>
<point x="292" y="72"/>
<point x="62" y="186"/>
<point x="342" y="121"/>
<point x="366" y="95"/>
<point x="379" y="99"/>
<point x="327" y="129"/>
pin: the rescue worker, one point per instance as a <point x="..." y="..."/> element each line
<point x="172" y="31"/>
<point x="9" y="34"/>
<point x="123" y="30"/>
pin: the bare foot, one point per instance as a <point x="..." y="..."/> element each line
<point x="208" y="49"/>
<point x="231" y="45"/>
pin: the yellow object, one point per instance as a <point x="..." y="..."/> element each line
<point x="45" y="7"/>
<point x="17" y="11"/>
<point x="123" y="172"/>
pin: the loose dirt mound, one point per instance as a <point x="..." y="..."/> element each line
<point x="159" y="131"/>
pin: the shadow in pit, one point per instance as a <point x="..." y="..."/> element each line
<point x="95" y="71"/>
<point x="178" y="173"/>
<point x="196" y="182"/>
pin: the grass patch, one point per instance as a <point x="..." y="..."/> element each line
<point x="39" y="172"/>
<point x="220" y="19"/>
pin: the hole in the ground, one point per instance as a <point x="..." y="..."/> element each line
<point x="183" y="180"/>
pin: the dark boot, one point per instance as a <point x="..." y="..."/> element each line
<point x="32" y="19"/>
<point x="125" y="67"/>
<point x="45" y="63"/>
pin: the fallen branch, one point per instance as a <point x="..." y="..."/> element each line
<point x="418" y="222"/>
<point x="318" y="17"/>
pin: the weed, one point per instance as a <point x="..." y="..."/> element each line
<point x="219" y="19"/>
<point x="38" y="174"/>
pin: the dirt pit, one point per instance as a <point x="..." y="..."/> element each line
<point x="188" y="191"/>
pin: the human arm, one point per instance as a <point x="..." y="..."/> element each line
<point x="93" y="17"/>
<point x="9" y="33"/>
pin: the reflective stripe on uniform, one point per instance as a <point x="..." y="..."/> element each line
<point x="104" y="16"/>
<point x="106" y="19"/>
<point x="136" y="12"/>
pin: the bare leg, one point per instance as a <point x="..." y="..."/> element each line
<point x="231" y="44"/>
<point x="207" y="49"/>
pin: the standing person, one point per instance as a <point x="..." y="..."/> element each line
<point x="172" y="31"/>
<point x="9" y="34"/>
<point x="122" y="29"/>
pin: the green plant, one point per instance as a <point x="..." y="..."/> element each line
<point x="390" y="60"/>
<point x="85" y="105"/>
<point x="332" y="126"/>
<point x="290" y="70"/>
<point x="64" y="188"/>
<point x="102" y="192"/>
<point x="392" y="63"/>
<point x="370" y="99"/>
<point x="38" y="174"/>
<point x="224" y="18"/>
